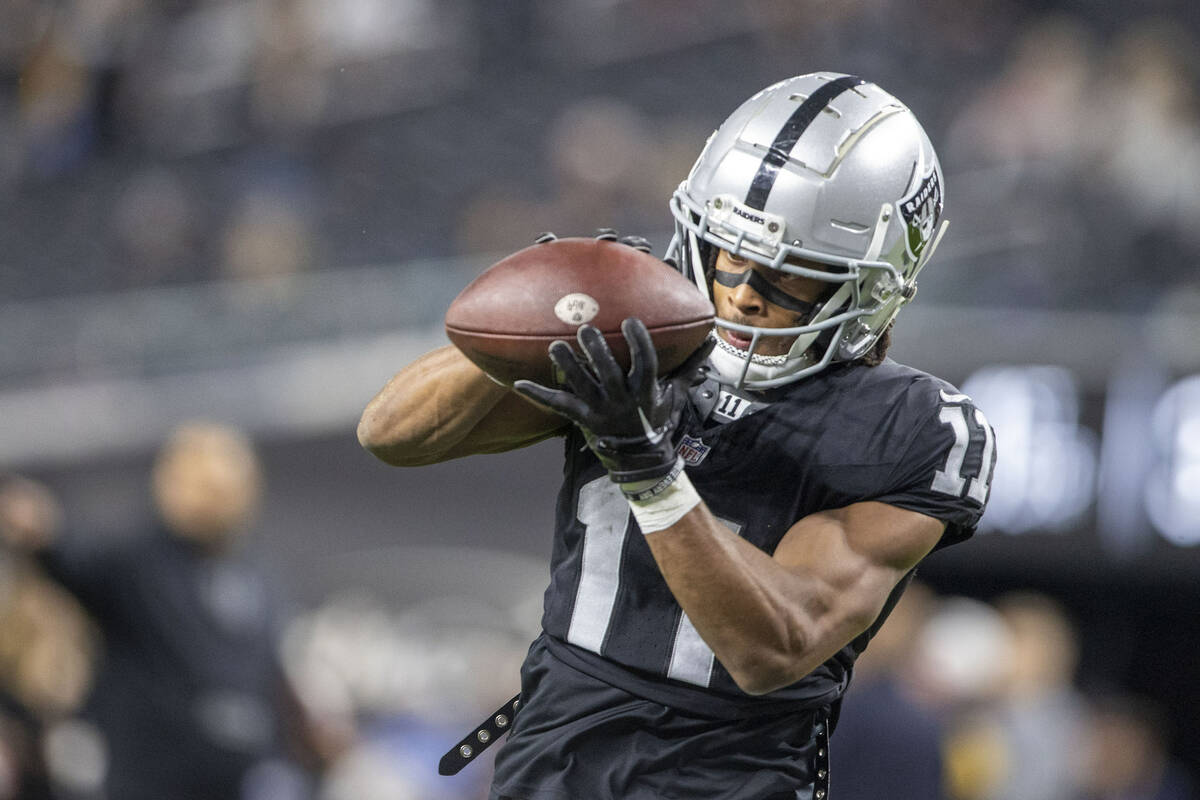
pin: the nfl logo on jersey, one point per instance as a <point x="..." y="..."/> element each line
<point x="692" y="449"/>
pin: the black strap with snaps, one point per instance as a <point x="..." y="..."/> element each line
<point x="480" y="739"/>
<point x="821" y="777"/>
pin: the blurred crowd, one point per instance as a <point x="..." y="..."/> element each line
<point x="148" y="666"/>
<point x="151" y="143"/>
<point x="961" y="699"/>
<point x="164" y="665"/>
<point x="168" y="662"/>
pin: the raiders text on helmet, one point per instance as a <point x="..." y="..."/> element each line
<point x="822" y="168"/>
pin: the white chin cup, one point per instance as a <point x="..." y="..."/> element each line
<point x="729" y="362"/>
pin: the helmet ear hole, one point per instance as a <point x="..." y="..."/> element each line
<point x="827" y="295"/>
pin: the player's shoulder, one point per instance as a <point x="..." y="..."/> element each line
<point x="902" y="394"/>
<point x="914" y="386"/>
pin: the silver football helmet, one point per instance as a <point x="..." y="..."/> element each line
<point x="823" y="168"/>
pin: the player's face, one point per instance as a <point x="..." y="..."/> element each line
<point x="745" y="305"/>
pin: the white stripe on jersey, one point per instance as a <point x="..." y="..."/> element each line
<point x="605" y="514"/>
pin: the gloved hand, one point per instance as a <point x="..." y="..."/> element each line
<point x="628" y="419"/>
<point x="636" y="242"/>
<point x="604" y="234"/>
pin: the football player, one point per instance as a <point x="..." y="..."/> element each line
<point x="728" y="538"/>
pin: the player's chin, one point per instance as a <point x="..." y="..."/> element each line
<point x="775" y="347"/>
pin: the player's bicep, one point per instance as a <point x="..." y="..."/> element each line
<point x="853" y="557"/>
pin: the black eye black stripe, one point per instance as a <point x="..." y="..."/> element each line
<point x="768" y="292"/>
<point x="789" y="134"/>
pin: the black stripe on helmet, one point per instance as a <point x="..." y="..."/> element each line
<point x="789" y="134"/>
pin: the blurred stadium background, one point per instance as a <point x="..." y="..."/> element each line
<point x="255" y="211"/>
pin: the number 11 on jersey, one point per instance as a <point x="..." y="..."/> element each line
<point x="606" y="518"/>
<point x="950" y="479"/>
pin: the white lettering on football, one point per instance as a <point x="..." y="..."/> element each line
<point x="576" y="308"/>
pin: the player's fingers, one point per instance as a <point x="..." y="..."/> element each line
<point x="643" y="360"/>
<point x="637" y="243"/>
<point x="556" y="400"/>
<point x="575" y="375"/>
<point x="600" y="356"/>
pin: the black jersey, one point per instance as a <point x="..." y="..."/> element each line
<point x="577" y="737"/>
<point x="761" y="462"/>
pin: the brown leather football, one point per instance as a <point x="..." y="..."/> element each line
<point x="505" y="319"/>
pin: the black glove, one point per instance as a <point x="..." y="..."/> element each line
<point x="606" y="235"/>
<point x="628" y="420"/>
<point x="611" y="235"/>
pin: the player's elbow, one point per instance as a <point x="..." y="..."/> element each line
<point x="798" y="649"/>
<point x="766" y="667"/>
<point x="765" y="674"/>
<point x="785" y="654"/>
<point x="757" y="684"/>
<point x="370" y="437"/>
<point x="387" y="444"/>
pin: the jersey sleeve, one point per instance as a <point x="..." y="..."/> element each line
<point x="946" y="468"/>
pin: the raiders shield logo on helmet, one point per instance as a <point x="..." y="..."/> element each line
<point x="921" y="211"/>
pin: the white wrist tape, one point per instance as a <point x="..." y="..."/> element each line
<point x="666" y="507"/>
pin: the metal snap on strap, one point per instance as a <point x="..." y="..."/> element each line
<point x="821" y="783"/>
<point x="479" y="739"/>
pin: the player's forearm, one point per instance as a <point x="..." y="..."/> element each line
<point x="442" y="407"/>
<point x="768" y="625"/>
<point x="428" y="409"/>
